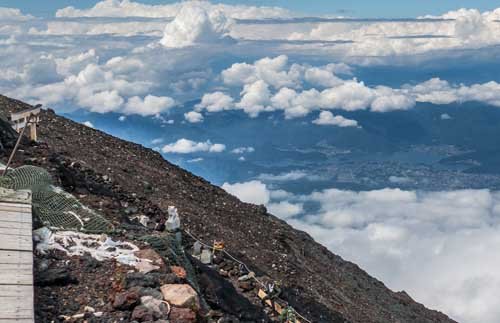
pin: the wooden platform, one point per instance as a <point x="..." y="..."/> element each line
<point x="16" y="257"/>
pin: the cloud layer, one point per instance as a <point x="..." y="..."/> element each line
<point x="440" y="247"/>
<point x="127" y="8"/>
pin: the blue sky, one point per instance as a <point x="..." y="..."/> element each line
<point x="357" y="8"/>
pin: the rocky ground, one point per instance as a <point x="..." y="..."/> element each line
<point x="125" y="181"/>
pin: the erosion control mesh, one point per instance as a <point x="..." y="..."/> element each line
<point x="51" y="205"/>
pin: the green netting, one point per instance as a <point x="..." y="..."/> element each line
<point x="51" y="205"/>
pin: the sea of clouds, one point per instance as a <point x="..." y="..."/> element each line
<point x="440" y="247"/>
<point x="131" y="58"/>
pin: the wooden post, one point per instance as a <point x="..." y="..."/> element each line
<point x="33" y="128"/>
<point x="26" y="118"/>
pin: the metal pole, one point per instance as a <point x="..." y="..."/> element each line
<point x="16" y="146"/>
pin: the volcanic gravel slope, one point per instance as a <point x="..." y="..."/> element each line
<point x="319" y="284"/>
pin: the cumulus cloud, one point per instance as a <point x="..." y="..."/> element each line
<point x="271" y="84"/>
<point x="12" y="14"/>
<point x="195" y="25"/>
<point x="75" y="63"/>
<point x="285" y="209"/>
<point x="215" y="102"/>
<point x="102" y="102"/>
<point x="149" y="105"/>
<point x="193" y="117"/>
<point x="186" y="146"/>
<point x="272" y="71"/>
<point x="326" y="118"/>
<point x="254" y="192"/>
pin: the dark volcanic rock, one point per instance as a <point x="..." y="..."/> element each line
<point x="126" y="300"/>
<point x="54" y="277"/>
<point x="220" y="294"/>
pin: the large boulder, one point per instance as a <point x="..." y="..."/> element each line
<point x="181" y="295"/>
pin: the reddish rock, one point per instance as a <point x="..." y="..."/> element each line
<point x="179" y="271"/>
<point x="126" y="300"/>
<point x="142" y="314"/>
<point x="181" y="295"/>
<point x="182" y="315"/>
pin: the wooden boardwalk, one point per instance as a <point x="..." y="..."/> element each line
<point x="16" y="257"/>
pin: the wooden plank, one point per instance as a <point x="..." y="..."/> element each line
<point x="15" y="207"/>
<point x="15" y="217"/>
<point x="16" y="262"/>
<point x="19" y="231"/>
<point x="15" y="290"/>
<point x="16" y="257"/>
<point x="15" y="225"/>
<point x="22" y="243"/>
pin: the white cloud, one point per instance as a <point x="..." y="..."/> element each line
<point x="195" y="160"/>
<point x="195" y="25"/>
<point x="122" y="118"/>
<point x="44" y="71"/>
<point x="101" y="102"/>
<point x="156" y="141"/>
<point x="445" y="116"/>
<point x="12" y="14"/>
<point x="186" y="146"/>
<point x="89" y="124"/>
<point x="73" y="64"/>
<point x="215" y="102"/>
<point x="290" y="176"/>
<point x="193" y="117"/>
<point x="82" y="27"/>
<point x="150" y="105"/>
<point x="243" y="150"/>
<point x="254" y="192"/>
<point x="254" y="99"/>
<point x="284" y="209"/>
<point x="272" y="71"/>
<point x="126" y="8"/>
<point x="391" y="233"/>
<point x="268" y="89"/>
<point x="326" y="118"/>
<point x="466" y="28"/>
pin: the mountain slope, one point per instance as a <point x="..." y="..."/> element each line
<point x="320" y="285"/>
